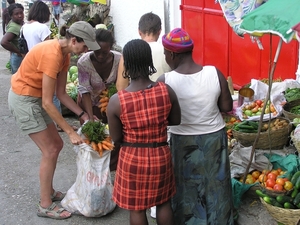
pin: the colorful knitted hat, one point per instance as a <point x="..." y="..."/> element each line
<point x="178" y="40"/>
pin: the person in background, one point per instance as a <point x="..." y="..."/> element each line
<point x="5" y="16"/>
<point x="10" y="39"/>
<point x="96" y="71"/>
<point x="42" y="73"/>
<point x="149" y="29"/>
<point x="36" y="31"/>
<point x="57" y="10"/>
<point x="138" y="117"/>
<point x="199" y="144"/>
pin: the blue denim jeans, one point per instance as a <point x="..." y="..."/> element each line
<point x="15" y="62"/>
<point x="56" y="102"/>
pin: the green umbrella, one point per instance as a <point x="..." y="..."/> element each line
<point x="275" y="17"/>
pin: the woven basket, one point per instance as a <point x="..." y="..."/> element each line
<point x="287" y="108"/>
<point x="278" y="138"/>
<point x="285" y="216"/>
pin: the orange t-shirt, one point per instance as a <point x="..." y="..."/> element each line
<point x="44" y="58"/>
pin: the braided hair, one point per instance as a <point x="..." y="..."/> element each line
<point x="14" y="6"/>
<point x="137" y="60"/>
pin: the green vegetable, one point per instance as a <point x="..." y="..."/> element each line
<point x="72" y="91"/>
<point x="72" y="70"/>
<point x="292" y="94"/>
<point x="297" y="199"/>
<point x="74" y="77"/>
<point x="294" y="193"/>
<point x="295" y="177"/>
<point x="94" y="131"/>
<point x="288" y="205"/>
<point x="112" y="89"/>
<point x="261" y="194"/>
<point x="284" y="198"/>
<point x="295" y="110"/>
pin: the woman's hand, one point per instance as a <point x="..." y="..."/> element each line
<point x="75" y="138"/>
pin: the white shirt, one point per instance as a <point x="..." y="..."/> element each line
<point x="35" y="33"/>
<point x="159" y="61"/>
<point x="198" y="95"/>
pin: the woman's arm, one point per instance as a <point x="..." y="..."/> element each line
<point x="65" y="98"/>
<point x="6" y="43"/>
<point x="48" y="88"/>
<point x="225" y="102"/>
<point x="122" y="82"/>
<point x="114" y="122"/>
<point x="175" y="113"/>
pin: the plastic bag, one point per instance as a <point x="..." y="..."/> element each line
<point x="91" y="194"/>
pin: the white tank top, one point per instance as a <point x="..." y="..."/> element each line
<point x="198" y="98"/>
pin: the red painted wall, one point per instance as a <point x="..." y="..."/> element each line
<point x="217" y="44"/>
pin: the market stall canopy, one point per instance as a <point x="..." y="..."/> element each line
<point x="234" y="10"/>
<point x="275" y="17"/>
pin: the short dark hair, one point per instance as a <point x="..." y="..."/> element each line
<point x="11" y="1"/>
<point x="14" y="6"/>
<point x="137" y="59"/>
<point x="39" y="11"/>
<point x="150" y="23"/>
<point x="103" y="35"/>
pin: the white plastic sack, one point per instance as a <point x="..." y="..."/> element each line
<point x="91" y="194"/>
<point x="260" y="92"/>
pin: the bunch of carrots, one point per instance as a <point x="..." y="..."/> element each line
<point x="105" y="96"/>
<point x="96" y="136"/>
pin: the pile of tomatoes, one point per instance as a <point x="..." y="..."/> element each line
<point x="270" y="179"/>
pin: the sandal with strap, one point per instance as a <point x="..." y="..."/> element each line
<point x="51" y="213"/>
<point x="60" y="197"/>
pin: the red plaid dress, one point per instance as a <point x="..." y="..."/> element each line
<point x="144" y="176"/>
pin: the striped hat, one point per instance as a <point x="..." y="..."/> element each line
<point x="178" y="41"/>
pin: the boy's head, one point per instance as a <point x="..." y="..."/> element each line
<point x="11" y="1"/>
<point x="150" y="23"/>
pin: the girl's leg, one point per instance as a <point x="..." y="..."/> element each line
<point x="164" y="214"/>
<point x="138" y="217"/>
<point x="50" y="144"/>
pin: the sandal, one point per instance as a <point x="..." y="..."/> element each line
<point x="51" y="213"/>
<point x="60" y="196"/>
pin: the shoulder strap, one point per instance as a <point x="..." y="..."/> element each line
<point x="21" y="33"/>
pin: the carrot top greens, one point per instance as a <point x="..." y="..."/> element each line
<point x="94" y="131"/>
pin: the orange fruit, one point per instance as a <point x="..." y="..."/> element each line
<point x="265" y="171"/>
<point x="280" y="181"/>
<point x="275" y="172"/>
<point x="272" y="176"/>
<point x="262" y="178"/>
<point x="278" y="187"/>
<point x="270" y="183"/>
<point x="255" y="174"/>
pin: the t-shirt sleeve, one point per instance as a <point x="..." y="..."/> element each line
<point x="44" y="32"/>
<point x="13" y="28"/>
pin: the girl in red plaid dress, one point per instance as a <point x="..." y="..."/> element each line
<point x="138" y="118"/>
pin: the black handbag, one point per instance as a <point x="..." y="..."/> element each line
<point x="22" y="43"/>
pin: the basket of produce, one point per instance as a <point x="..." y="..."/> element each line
<point x="283" y="215"/>
<point x="230" y="120"/>
<point x="291" y="109"/>
<point x="273" y="135"/>
<point x="284" y="208"/>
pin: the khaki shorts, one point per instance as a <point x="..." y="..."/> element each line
<point x="28" y="113"/>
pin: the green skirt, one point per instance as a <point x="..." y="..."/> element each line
<point x="203" y="183"/>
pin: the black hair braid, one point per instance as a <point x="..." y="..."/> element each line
<point x="138" y="59"/>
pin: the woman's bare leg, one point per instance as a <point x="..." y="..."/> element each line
<point x="50" y="144"/>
